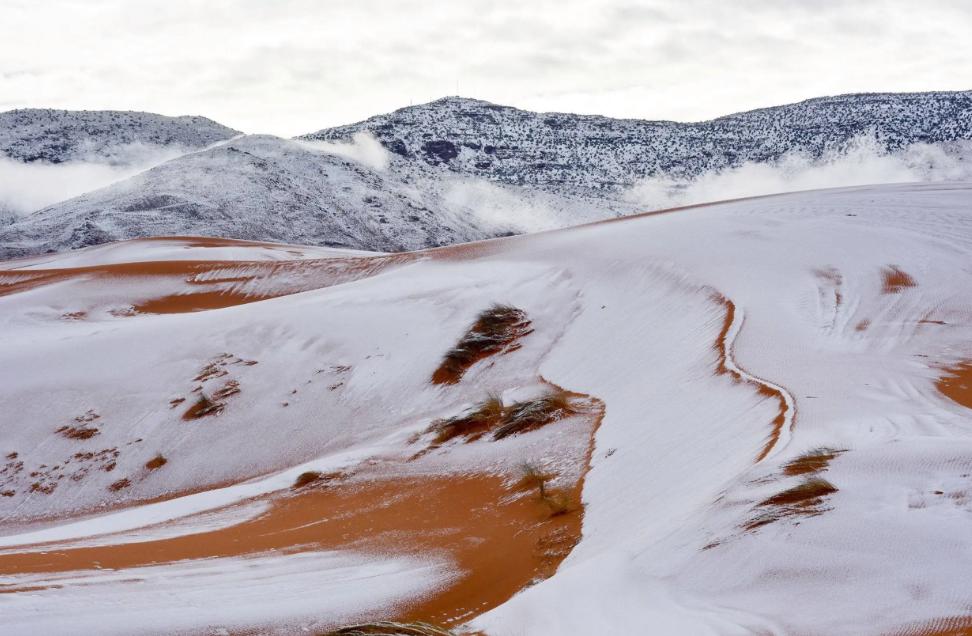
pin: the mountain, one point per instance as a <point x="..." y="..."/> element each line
<point x="459" y="169"/>
<point x="265" y="188"/>
<point x="749" y="417"/>
<point x="58" y="136"/>
<point x="559" y="152"/>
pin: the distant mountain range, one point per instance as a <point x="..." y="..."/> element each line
<point x="452" y="170"/>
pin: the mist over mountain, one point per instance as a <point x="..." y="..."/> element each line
<point x="459" y="169"/>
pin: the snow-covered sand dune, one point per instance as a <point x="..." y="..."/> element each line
<point x="774" y="448"/>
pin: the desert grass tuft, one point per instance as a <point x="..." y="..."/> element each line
<point x="390" y="628"/>
<point x="472" y="424"/>
<point x="812" y="461"/>
<point x="558" y="502"/>
<point x="491" y="416"/>
<point x="802" y="500"/>
<point x="805" y="495"/>
<point x="533" y="414"/>
<point x="495" y="329"/>
<point x="156" y="462"/>
<point x="304" y="479"/>
<point x="202" y="407"/>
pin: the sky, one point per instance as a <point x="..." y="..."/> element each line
<point x="289" y="67"/>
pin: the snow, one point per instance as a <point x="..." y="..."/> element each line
<point x="217" y="595"/>
<point x="177" y="249"/>
<point x="628" y="311"/>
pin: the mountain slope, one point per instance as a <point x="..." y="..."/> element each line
<point x="266" y="188"/>
<point x="57" y="136"/>
<point x="756" y="421"/>
<point x="560" y="151"/>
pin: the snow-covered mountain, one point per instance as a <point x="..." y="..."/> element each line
<point x="559" y="151"/>
<point x="58" y="136"/>
<point x="266" y="188"/>
<point x="460" y="169"/>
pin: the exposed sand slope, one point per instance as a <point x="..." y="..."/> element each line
<point x="724" y="343"/>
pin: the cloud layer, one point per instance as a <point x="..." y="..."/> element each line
<point x="862" y="162"/>
<point x="27" y="187"/>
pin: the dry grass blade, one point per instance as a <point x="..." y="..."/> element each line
<point x="533" y="414"/>
<point x="812" y="461"/>
<point x="807" y="494"/>
<point x="389" y="628"/>
<point x="473" y="424"/>
<point x="156" y="462"/>
<point x="495" y="329"/>
<point x="304" y="479"/>
<point x="802" y="500"/>
<point x="203" y="406"/>
<point x="532" y="477"/>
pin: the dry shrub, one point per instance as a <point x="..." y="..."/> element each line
<point x="78" y="432"/>
<point x="808" y="494"/>
<point x="559" y="502"/>
<point x="533" y="414"/>
<point x="389" y="628"/>
<point x="314" y="477"/>
<point x="202" y="407"/>
<point x="495" y="329"/>
<point x="896" y="280"/>
<point x="156" y="462"/>
<point x="802" y="500"/>
<point x="304" y="479"/>
<point x="472" y="424"/>
<point x="230" y="388"/>
<point x="812" y="461"/>
<point x="491" y="416"/>
<point x="120" y="485"/>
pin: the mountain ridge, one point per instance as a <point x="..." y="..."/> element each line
<point x="460" y="169"/>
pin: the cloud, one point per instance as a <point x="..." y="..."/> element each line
<point x="862" y="162"/>
<point x="363" y="148"/>
<point x="295" y="66"/>
<point x="27" y="187"/>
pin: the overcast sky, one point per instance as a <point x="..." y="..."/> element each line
<point x="293" y="66"/>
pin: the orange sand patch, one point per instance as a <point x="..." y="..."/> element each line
<point x="956" y="383"/>
<point x="211" y="284"/>
<point x="896" y="280"/>
<point x="724" y="349"/>
<point x="948" y="626"/>
<point x="498" y="541"/>
<point x="500" y="533"/>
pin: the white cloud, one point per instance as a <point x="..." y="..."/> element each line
<point x="862" y="162"/>
<point x="27" y="187"/>
<point x="363" y="148"/>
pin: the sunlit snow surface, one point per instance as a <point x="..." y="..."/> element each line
<point x="630" y="312"/>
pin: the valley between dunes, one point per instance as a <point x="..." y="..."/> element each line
<point x="745" y="417"/>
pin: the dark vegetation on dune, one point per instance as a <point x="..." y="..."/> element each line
<point x="496" y="330"/>
<point x="388" y="628"/>
<point x="492" y="417"/>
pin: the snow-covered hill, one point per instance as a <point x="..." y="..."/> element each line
<point x="266" y="188"/>
<point x="459" y="169"/>
<point x="748" y="417"/>
<point x="47" y="156"/>
<point x="116" y="137"/>
<point x="560" y="151"/>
